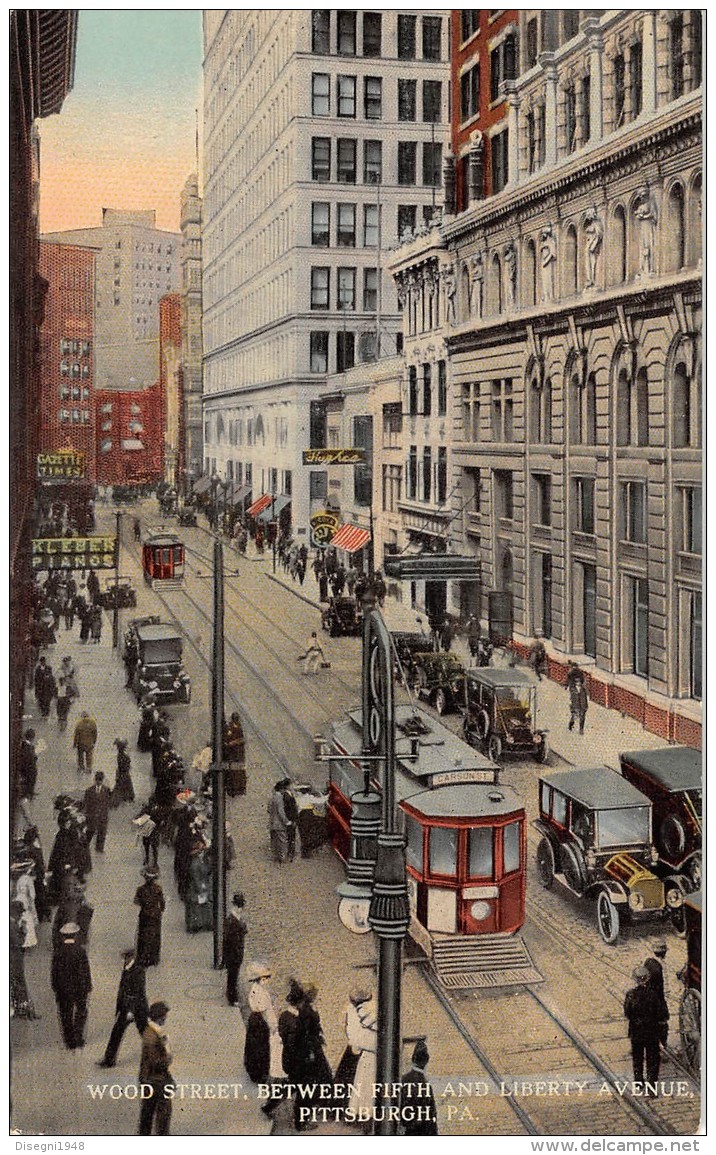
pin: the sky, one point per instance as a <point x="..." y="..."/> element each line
<point x="125" y="137"/>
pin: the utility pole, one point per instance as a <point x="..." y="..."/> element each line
<point x="115" y="615"/>
<point x="218" y="804"/>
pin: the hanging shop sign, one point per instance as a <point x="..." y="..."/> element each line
<point x="74" y="553"/>
<point x="61" y="464"/>
<point x="355" y="456"/>
<point x="323" y="526"/>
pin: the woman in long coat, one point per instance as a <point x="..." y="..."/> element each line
<point x="310" y="1065"/>
<point x="357" y="1066"/>
<point x="197" y="904"/>
<point x="123" y="785"/>
<point x="263" y="1048"/>
<point x="150" y="900"/>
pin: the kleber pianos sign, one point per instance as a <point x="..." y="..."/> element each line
<point x="323" y="526"/>
<point x="61" y="464"/>
<point x="74" y="553"/>
<point x="334" y="456"/>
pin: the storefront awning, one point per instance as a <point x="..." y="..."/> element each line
<point x="261" y="502"/>
<point x="238" y="493"/>
<point x="274" y="508"/>
<point x="350" y="537"/>
<point x="203" y="485"/>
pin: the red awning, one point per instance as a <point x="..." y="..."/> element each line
<point x="350" y="537"/>
<point x="260" y="503"/>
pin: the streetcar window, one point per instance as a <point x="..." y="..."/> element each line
<point x="166" y="556"/>
<point x="414" y="847"/>
<point x="544" y="797"/>
<point x="346" y="777"/>
<point x="481" y="864"/>
<point x="177" y="555"/>
<point x="559" y="808"/>
<point x="443" y="850"/>
<point x="511" y="848"/>
<point x="623" y="827"/>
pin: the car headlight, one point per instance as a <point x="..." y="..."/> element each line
<point x="674" y="898"/>
<point x="636" y="900"/>
<point x="538" y="739"/>
<point x="654" y="854"/>
<point x="509" y="738"/>
<point x="590" y="858"/>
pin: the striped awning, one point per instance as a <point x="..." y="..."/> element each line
<point x="261" y="502"/>
<point x="275" y="507"/>
<point x="350" y="537"/>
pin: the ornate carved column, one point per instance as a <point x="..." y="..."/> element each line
<point x="449" y="183"/>
<point x="648" y="48"/>
<point x="475" y="168"/>
<point x="596" y="96"/>
<point x="628" y="83"/>
<point x="546" y="61"/>
<point x="513" y="129"/>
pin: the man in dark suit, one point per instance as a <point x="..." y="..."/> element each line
<point x="234" y="935"/>
<point x="27" y="768"/>
<point x="154" y="1073"/>
<point x="131" y="1006"/>
<point x="655" y="970"/>
<point x="96" y="807"/>
<point x="72" y="982"/>
<point x="642" y="1010"/>
<point x="417" y="1094"/>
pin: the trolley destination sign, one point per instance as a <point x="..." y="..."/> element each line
<point x="61" y="465"/>
<point x="74" y="553"/>
<point x="355" y="456"/>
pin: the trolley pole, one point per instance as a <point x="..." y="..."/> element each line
<point x="115" y="615"/>
<point x="218" y="792"/>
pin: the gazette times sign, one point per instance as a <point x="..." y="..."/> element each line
<point x="61" y="464"/>
<point x="74" y="553"/>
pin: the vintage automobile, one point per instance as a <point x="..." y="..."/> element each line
<point x="405" y="646"/>
<point x="342" y="616"/>
<point x="438" y="678"/>
<point x="125" y="493"/>
<point x="596" y="841"/>
<point x="500" y="714"/>
<point x="690" y="1005"/>
<point x="158" y="672"/>
<point x="672" y="778"/>
<point x="122" y="593"/>
<point x="186" y="515"/>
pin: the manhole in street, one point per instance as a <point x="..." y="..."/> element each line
<point x="204" y="992"/>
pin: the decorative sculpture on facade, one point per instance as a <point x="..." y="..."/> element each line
<point x="510" y="255"/>
<point x="647" y="216"/>
<point x="450" y="293"/>
<point x="477" y="276"/>
<point x="594" y="235"/>
<point x="548" y="260"/>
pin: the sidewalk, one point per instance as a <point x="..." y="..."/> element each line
<point x="607" y="732"/>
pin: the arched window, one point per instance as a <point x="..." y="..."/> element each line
<point x="569" y="277"/>
<point x="496" y="284"/>
<point x="681" y="402"/>
<point x="623" y="409"/>
<point x="673" y="234"/>
<point x="641" y="401"/>
<point x="695" y="234"/>
<point x="617" y="248"/>
<point x="529" y="274"/>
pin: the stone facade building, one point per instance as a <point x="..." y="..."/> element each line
<point x="191" y="317"/>
<point x="324" y="135"/>
<point x="171" y="387"/>
<point x="574" y="362"/>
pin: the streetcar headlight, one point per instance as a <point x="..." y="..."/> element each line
<point x="636" y="900"/>
<point x="480" y="911"/>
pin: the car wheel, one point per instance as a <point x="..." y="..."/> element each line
<point x="542" y="750"/>
<point x="441" y="702"/>
<point x="574" y="869"/>
<point x="494" y="748"/>
<point x="607" y="918"/>
<point x="690" y="1028"/>
<point x="545" y="863"/>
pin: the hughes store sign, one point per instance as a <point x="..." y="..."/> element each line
<point x="61" y="464"/>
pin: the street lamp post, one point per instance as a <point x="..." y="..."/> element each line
<point x="218" y="802"/>
<point x="115" y="614"/>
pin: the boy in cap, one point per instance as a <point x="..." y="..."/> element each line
<point x="417" y="1094"/>
<point x="154" y="1073"/>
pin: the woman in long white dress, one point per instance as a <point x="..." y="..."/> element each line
<point x="263" y="1047"/>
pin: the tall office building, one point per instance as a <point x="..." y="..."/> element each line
<point x="137" y="263"/>
<point x="324" y="134"/>
<point x="191" y="318"/>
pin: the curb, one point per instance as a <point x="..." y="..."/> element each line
<point x="296" y="593"/>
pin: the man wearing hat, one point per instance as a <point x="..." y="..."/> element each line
<point x="655" y="969"/>
<point x="84" y="741"/>
<point x="642" y="1009"/>
<point x="96" y="807"/>
<point x="71" y="982"/>
<point x="154" y="1072"/>
<point x="27" y="765"/>
<point x="235" y="930"/>
<point x="131" y="1006"/>
<point x="417" y="1094"/>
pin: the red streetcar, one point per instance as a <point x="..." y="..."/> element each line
<point x="163" y="560"/>
<point x="466" y="847"/>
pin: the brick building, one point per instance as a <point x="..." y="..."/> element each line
<point x="130" y="435"/>
<point x="485" y="52"/>
<point x="67" y="351"/>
